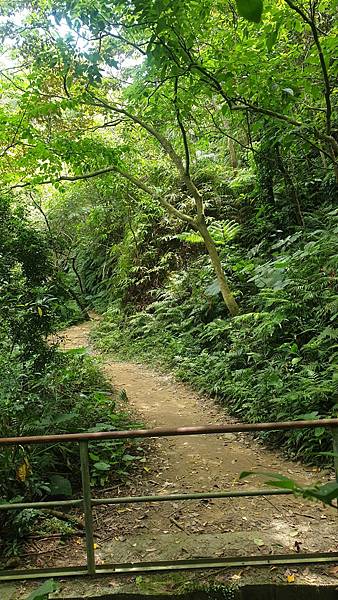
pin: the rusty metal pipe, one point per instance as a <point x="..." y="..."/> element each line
<point x="168" y="432"/>
<point x="175" y="565"/>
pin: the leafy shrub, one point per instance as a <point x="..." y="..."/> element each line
<point x="69" y="395"/>
<point x="275" y="361"/>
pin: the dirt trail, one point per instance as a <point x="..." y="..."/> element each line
<point x="202" y="463"/>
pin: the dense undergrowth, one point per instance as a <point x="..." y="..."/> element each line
<point x="43" y="390"/>
<point x="276" y="360"/>
<point x="140" y="161"/>
<point x="68" y="395"/>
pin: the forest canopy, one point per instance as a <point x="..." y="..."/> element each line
<point x="174" y="166"/>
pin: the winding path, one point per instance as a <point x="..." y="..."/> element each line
<point x="202" y="463"/>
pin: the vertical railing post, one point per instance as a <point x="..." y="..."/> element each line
<point x="87" y="505"/>
<point x="334" y="432"/>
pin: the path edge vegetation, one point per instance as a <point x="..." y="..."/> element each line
<point x="223" y="122"/>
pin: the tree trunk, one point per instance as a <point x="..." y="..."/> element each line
<point x="334" y="154"/>
<point x="231" y="148"/>
<point x="78" y="276"/>
<point x="217" y="265"/>
<point x="233" y="155"/>
<point x="77" y="299"/>
<point x="290" y="188"/>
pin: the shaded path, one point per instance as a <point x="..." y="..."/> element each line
<point x="201" y="463"/>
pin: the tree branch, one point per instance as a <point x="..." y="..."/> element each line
<point x="167" y="205"/>
<point x="166" y="145"/>
<point x="327" y="87"/>
<point x="115" y="169"/>
<point x="13" y="143"/>
<point x="183" y="131"/>
<point x="266" y="111"/>
<point x="226" y="134"/>
<point x="65" y="178"/>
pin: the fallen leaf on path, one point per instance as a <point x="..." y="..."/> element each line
<point x="259" y="542"/>
<point x="290" y="578"/>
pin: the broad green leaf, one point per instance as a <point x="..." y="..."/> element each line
<point x="250" y="9"/>
<point x="102" y="466"/>
<point x="326" y="492"/>
<point x="60" y="486"/>
<point x="42" y="592"/>
<point x="213" y="289"/>
<point x="129" y="458"/>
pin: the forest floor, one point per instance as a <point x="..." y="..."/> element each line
<point x="191" y="529"/>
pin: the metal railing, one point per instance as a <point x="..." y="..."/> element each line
<point x="87" y="502"/>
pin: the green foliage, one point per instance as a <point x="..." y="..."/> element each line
<point x="26" y="300"/>
<point x="43" y="591"/>
<point x="70" y="395"/>
<point x="33" y="299"/>
<point x="247" y="97"/>
<point x="276" y="360"/>
<point x="221" y="232"/>
<point x="324" y="493"/>
<point x="250" y="9"/>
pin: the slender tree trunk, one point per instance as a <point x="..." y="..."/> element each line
<point x="217" y="265"/>
<point x="78" y="276"/>
<point x="231" y="148"/>
<point x="78" y="301"/>
<point x="334" y="153"/>
<point x="233" y="155"/>
<point x="290" y="187"/>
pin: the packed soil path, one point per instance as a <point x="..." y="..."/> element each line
<point x="214" y="528"/>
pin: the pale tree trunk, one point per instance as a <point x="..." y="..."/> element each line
<point x="233" y="155"/>
<point x="217" y="265"/>
<point x="231" y="148"/>
<point x="198" y="224"/>
<point x="334" y="153"/>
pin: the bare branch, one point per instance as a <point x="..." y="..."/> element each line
<point x="266" y="111"/>
<point x="327" y="86"/>
<point x="113" y="168"/>
<point x="166" y="145"/>
<point x="224" y="132"/>
<point x="13" y="143"/>
<point x="174" y="211"/>
<point x="183" y="131"/>
<point x="65" y="178"/>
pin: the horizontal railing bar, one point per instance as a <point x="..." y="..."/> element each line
<point x="14" y="506"/>
<point x="193" y="496"/>
<point x="166" y="565"/>
<point x="140" y="499"/>
<point x="17" y="574"/>
<point x="234" y="561"/>
<point x="167" y="432"/>
<point x="175" y="565"/>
